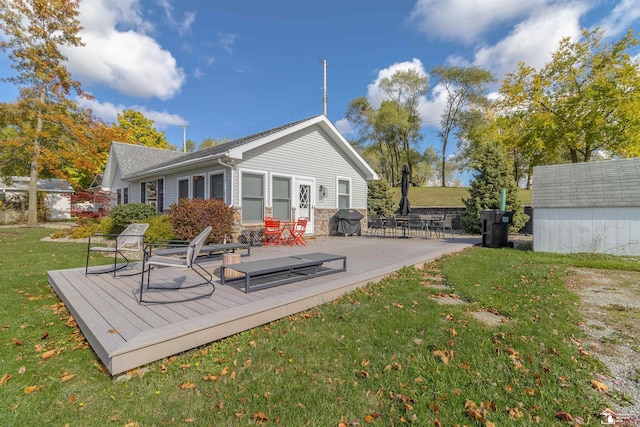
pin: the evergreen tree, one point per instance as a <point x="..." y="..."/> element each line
<point x="493" y="173"/>
<point x="380" y="198"/>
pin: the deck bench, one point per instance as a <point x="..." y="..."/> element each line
<point x="207" y="250"/>
<point x="285" y="269"/>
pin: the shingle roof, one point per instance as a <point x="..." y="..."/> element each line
<point x="52" y="185"/>
<point x="609" y="183"/>
<point x="133" y="158"/>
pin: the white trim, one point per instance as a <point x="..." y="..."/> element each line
<point x="265" y="175"/>
<point x="350" y="181"/>
<point x="224" y="184"/>
<point x="183" y="178"/>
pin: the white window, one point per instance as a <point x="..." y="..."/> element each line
<point x="183" y="188"/>
<point x="198" y="186"/>
<point x="152" y="193"/>
<point x="216" y="186"/>
<point x="281" y="194"/>
<point x="344" y="193"/>
<point x="252" y="197"/>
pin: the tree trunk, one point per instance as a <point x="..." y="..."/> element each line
<point x="444" y="161"/>
<point x="32" y="214"/>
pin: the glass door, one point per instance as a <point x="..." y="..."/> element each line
<point x="305" y="202"/>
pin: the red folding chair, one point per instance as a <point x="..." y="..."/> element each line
<point x="297" y="232"/>
<point x="272" y="232"/>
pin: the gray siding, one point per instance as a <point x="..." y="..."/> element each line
<point x="591" y="230"/>
<point x="309" y="153"/>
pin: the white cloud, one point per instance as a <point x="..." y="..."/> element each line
<point x="621" y="18"/>
<point x="375" y="95"/>
<point x="532" y="41"/>
<point x="198" y="73"/>
<point x="109" y="112"/>
<point x="428" y="109"/>
<point x="226" y="41"/>
<point x="468" y="20"/>
<point x="345" y="127"/>
<point x="183" y="27"/>
<point x="118" y="52"/>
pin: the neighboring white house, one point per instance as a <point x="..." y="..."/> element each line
<point x="57" y="194"/>
<point x="302" y="169"/>
<point x="587" y="207"/>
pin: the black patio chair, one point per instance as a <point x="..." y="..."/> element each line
<point x="377" y="225"/>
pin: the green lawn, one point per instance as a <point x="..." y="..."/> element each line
<point x="383" y="355"/>
<point x="445" y="196"/>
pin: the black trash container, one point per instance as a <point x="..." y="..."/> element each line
<point x="347" y="222"/>
<point x="495" y="228"/>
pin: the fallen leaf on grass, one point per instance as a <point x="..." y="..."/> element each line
<point x="599" y="385"/>
<point x="5" y="378"/>
<point x="66" y="377"/>
<point x="16" y="341"/>
<point x="72" y="399"/>
<point x="210" y="377"/>
<point x="32" y="388"/>
<point x="187" y="385"/>
<point x="260" y="417"/>
<point x="564" y="416"/>
<point x="48" y="354"/>
<point x="444" y="355"/>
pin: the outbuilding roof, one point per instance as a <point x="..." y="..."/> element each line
<point x="51" y="185"/>
<point x="607" y="183"/>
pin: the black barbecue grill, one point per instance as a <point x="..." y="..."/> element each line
<point x="347" y="222"/>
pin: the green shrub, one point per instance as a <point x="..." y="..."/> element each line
<point x="123" y="215"/>
<point x="85" y="231"/>
<point x="108" y="226"/>
<point x="160" y="228"/>
<point x="190" y="217"/>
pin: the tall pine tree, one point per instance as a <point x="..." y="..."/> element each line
<point x="493" y="173"/>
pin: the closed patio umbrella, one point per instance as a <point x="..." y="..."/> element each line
<point x="405" y="207"/>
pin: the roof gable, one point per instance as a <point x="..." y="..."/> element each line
<point x="236" y="148"/>
<point x="608" y="183"/>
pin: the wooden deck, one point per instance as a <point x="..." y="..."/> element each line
<point x="125" y="334"/>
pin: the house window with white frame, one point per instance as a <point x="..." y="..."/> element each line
<point x="197" y="187"/>
<point x="183" y="188"/>
<point x="344" y="194"/>
<point x="125" y="195"/>
<point x="216" y="186"/>
<point x="118" y="196"/>
<point x="281" y="194"/>
<point x="252" y="197"/>
<point x="152" y="193"/>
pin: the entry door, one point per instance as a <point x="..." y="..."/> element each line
<point x="305" y="198"/>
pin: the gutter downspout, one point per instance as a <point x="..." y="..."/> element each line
<point x="231" y="171"/>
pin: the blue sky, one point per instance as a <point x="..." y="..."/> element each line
<point x="232" y="68"/>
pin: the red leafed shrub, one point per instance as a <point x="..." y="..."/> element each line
<point x="190" y="217"/>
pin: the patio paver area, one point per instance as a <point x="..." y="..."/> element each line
<point x="125" y="334"/>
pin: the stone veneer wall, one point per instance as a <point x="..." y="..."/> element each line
<point x="325" y="226"/>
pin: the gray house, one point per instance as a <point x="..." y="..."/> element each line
<point x="587" y="207"/>
<point x="302" y="169"/>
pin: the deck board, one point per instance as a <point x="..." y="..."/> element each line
<point x="125" y="334"/>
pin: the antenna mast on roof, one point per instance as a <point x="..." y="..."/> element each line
<point x="184" y="138"/>
<point x="324" y="87"/>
